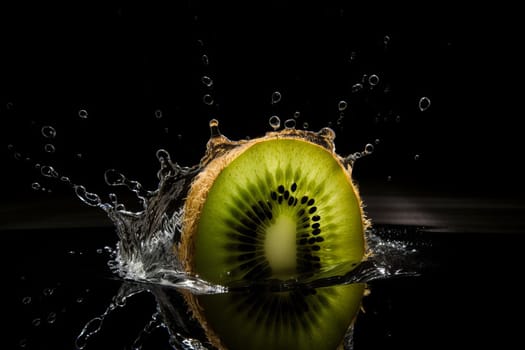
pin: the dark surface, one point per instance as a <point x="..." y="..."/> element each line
<point x="123" y="62"/>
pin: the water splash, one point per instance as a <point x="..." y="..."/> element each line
<point x="146" y="260"/>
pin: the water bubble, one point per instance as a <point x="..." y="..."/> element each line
<point x="306" y="125"/>
<point x="389" y="178"/>
<point x="35" y="186"/>
<point x="296" y="114"/>
<point x="65" y="179"/>
<point x="373" y="80"/>
<point x="78" y="155"/>
<point x="289" y="123"/>
<point x="48" y="171"/>
<point x="83" y="114"/>
<point x="17" y="155"/>
<point x="276" y="97"/>
<point x="424" y="103"/>
<point x="48" y="292"/>
<point x="9" y="105"/>
<point x="369" y="149"/>
<point x="200" y="42"/>
<point x="114" y="178"/>
<point x="99" y="251"/>
<point x="51" y="318"/>
<point x="206" y="80"/>
<point x="327" y="133"/>
<point x="275" y="122"/>
<point x="377" y="141"/>
<point x="342" y="105"/>
<point x="37" y="166"/>
<point x="22" y="343"/>
<point x="48" y="132"/>
<point x="36" y="322"/>
<point x="205" y="60"/>
<point x="417" y="157"/>
<point x="357" y="87"/>
<point x="80" y="300"/>
<point x="49" y="148"/>
<point x="158" y="114"/>
<point x="26" y="300"/>
<point x="207" y="99"/>
<point x="10" y="147"/>
<point x="398" y="118"/>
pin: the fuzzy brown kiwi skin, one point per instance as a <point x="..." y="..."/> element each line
<point x="196" y="199"/>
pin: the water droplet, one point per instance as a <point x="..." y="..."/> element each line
<point x="289" y="123"/>
<point x="276" y="97"/>
<point x="424" y="103"/>
<point x="51" y="318"/>
<point x="158" y="114"/>
<point x="26" y="300"/>
<point x="369" y="149"/>
<point x="49" y="148"/>
<point x="89" y="198"/>
<point x="386" y="40"/>
<point x="377" y="141"/>
<point x="205" y="60"/>
<point x="83" y="114"/>
<point x="48" y="292"/>
<point x="207" y="99"/>
<point x="297" y="114"/>
<point x="36" y="322"/>
<point x="357" y="87"/>
<point x="353" y="56"/>
<point x="306" y="125"/>
<point x="48" y="132"/>
<point x="206" y="80"/>
<point x="162" y="155"/>
<point x="417" y="157"/>
<point x="35" y="186"/>
<point x="114" y="178"/>
<point x="48" y="171"/>
<point x="373" y="80"/>
<point x="275" y="122"/>
<point x="342" y="105"/>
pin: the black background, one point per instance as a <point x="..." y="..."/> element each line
<point x="123" y="62"/>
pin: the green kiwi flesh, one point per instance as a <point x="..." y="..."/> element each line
<point x="276" y="208"/>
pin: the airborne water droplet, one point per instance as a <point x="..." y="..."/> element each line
<point x="276" y="97"/>
<point x="373" y="80"/>
<point x="289" y="123"/>
<point x="48" y="132"/>
<point x="49" y="148"/>
<point x="424" y="103"/>
<point x="342" y="105"/>
<point x="275" y="122"/>
<point x="357" y="87"/>
<point x="206" y="80"/>
<point x="207" y="99"/>
<point x="83" y="114"/>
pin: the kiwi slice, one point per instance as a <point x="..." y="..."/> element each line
<point x="279" y="207"/>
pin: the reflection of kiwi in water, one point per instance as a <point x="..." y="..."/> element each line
<point x="277" y="207"/>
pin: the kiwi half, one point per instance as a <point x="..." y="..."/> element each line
<point x="277" y="207"/>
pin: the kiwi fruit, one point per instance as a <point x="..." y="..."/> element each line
<point x="279" y="207"/>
